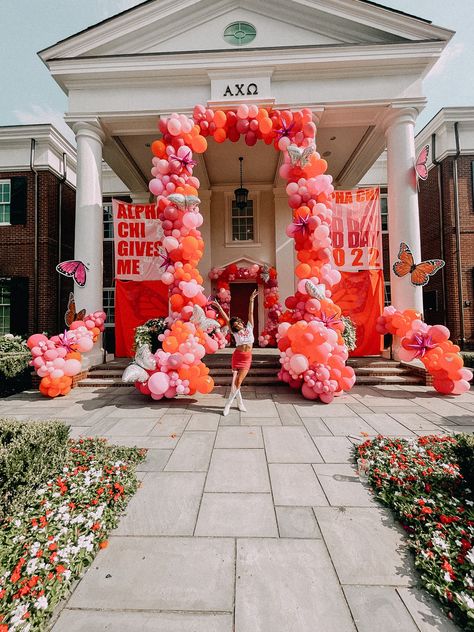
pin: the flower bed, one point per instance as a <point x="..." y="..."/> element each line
<point x="48" y="544"/>
<point x="421" y="481"/>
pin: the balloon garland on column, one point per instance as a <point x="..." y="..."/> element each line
<point x="313" y="326"/>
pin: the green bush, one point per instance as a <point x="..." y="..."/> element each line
<point x="147" y="334"/>
<point x="31" y="452"/>
<point x="468" y="357"/>
<point x="15" y="375"/>
<point x="464" y="454"/>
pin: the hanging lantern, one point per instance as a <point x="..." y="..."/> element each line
<point x="241" y="194"/>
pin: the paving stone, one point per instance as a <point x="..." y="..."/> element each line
<point x="103" y="426"/>
<point x="78" y="431"/>
<point x="342" y="486"/>
<point x="192" y="453"/>
<point x="238" y="470"/>
<point x="288" y="414"/>
<point x="239" y="437"/>
<point x="425" y="611"/>
<point x="395" y="409"/>
<point x="345" y="426"/>
<point x="297" y="522"/>
<point x="285" y="585"/>
<point x="290" y="445"/>
<point x="366" y="546"/>
<point x="155" y="461"/>
<point x="167" y="503"/>
<point x="386" y="425"/>
<point x="163" y="573"/>
<point x="132" y="426"/>
<point x="105" y="621"/>
<point x="259" y="408"/>
<point x="465" y="419"/>
<point x="142" y="409"/>
<point x="237" y="515"/>
<point x="318" y="409"/>
<point x="358" y="408"/>
<point x="316" y="427"/>
<point x="203" y="421"/>
<point x="438" y="405"/>
<point x="232" y="419"/>
<point x="158" y="443"/>
<point x="413" y="421"/>
<point x="260" y="421"/>
<point x="170" y="424"/>
<point x="378" y="608"/>
<point x="295" y="485"/>
<point x="334" y="449"/>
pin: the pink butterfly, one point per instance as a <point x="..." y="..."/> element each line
<point x="420" y="164"/>
<point x="75" y="269"/>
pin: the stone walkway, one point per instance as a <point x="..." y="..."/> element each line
<point x="255" y="522"/>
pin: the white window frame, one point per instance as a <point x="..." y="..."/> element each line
<point x="252" y="243"/>
<point x="9" y="182"/>
<point x="112" y="289"/>
<point x="385" y="197"/>
<point x="104" y="204"/>
<point x="387" y="286"/>
<point x="4" y="306"/>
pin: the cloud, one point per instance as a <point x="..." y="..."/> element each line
<point x="45" y="114"/>
<point x="452" y="51"/>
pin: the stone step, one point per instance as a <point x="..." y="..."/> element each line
<point x="373" y="380"/>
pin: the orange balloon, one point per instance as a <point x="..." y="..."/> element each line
<point x="199" y="144"/>
<point x="170" y="344"/>
<point x="177" y="302"/>
<point x="220" y="135"/>
<point x="158" y="148"/>
<point x="73" y="355"/>
<point x="303" y="271"/>
<point x="220" y="119"/>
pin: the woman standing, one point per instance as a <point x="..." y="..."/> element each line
<point x="242" y="356"/>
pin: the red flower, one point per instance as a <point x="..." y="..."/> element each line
<point x="53" y="546"/>
<point x="60" y="569"/>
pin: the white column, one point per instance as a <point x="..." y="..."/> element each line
<point x="403" y="213"/>
<point x="284" y="246"/>
<point x="89" y="226"/>
<point x="206" y="262"/>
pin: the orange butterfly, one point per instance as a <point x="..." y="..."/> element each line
<point x="420" y="273"/>
<point x="71" y="315"/>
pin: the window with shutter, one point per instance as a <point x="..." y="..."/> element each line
<point x="5" y="199"/>
<point x="18" y="204"/>
<point x="5" y="305"/>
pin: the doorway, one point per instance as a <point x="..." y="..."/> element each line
<point x="239" y="304"/>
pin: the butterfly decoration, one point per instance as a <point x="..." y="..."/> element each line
<point x="420" y="273"/>
<point x="316" y="291"/>
<point x="71" y="315"/>
<point x="265" y="273"/>
<point x="300" y="155"/>
<point x="75" y="269"/>
<point x="137" y="371"/>
<point x="201" y="321"/>
<point x="187" y="202"/>
<point x="421" y="170"/>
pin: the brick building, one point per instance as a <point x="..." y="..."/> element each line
<point x="446" y="220"/>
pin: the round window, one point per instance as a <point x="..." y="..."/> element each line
<point x="240" y="33"/>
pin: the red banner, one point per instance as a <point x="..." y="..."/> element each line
<point x="135" y="303"/>
<point x="357" y="253"/>
<point x="138" y="234"/>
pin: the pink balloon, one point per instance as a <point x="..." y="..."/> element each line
<point x="308" y="392"/>
<point x="59" y="363"/>
<point x="72" y="367"/>
<point x="158" y="383"/>
<point x="191" y="220"/>
<point x="84" y="344"/>
<point x="299" y="363"/>
<point x="35" y="339"/>
<point x="174" y="126"/>
<point x="156" y="186"/>
<point x="243" y="111"/>
<point x="57" y="373"/>
<point x="51" y="354"/>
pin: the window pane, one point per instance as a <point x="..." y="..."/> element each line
<point x="4" y="307"/>
<point x="242" y="222"/>
<point x="109" y="304"/>
<point x="108" y="221"/>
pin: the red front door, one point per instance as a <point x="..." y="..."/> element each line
<point x="239" y="304"/>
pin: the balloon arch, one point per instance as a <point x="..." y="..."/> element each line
<point x="313" y="354"/>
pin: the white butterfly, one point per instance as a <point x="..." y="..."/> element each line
<point x="144" y="359"/>
<point x="187" y="202"/>
<point x="316" y="291"/>
<point x="300" y="154"/>
<point x="201" y="321"/>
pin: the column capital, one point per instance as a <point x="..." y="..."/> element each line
<point x="91" y="128"/>
<point x="400" y="116"/>
<point x="205" y="195"/>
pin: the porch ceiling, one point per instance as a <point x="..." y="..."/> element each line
<point x="219" y="166"/>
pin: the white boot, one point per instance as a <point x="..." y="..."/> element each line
<point x="232" y="396"/>
<point x="240" y="402"/>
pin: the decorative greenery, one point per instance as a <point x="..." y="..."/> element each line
<point x="468" y="357"/>
<point x="148" y="334"/>
<point x="47" y="545"/>
<point x="30" y="451"/>
<point x="464" y="450"/>
<point x="349" y="334"/>
<point x="420" y="481"/>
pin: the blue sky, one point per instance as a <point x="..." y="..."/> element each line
<point x="29" y="94"/>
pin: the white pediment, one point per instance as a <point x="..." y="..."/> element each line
<point x="172" y="26"/>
